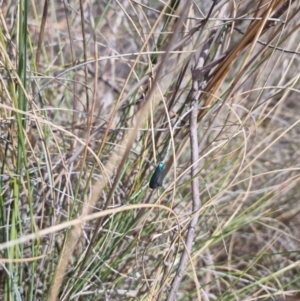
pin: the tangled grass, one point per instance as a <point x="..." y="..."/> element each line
<point x="91" y="92"/>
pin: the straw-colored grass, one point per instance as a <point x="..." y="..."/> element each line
<point x="94" y="94"/>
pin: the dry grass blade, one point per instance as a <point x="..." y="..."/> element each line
<point x="94" y="95"/>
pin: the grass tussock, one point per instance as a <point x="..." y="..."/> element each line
<point x="94" y="94"/>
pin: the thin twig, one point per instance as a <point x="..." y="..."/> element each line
<point x="195" y="95"/>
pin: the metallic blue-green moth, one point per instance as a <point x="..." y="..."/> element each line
<point x="158" y="176"/>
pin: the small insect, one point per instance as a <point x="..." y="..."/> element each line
<point x="158" y="176"/>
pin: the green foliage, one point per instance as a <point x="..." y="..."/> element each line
<point x="90" y="94"/>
